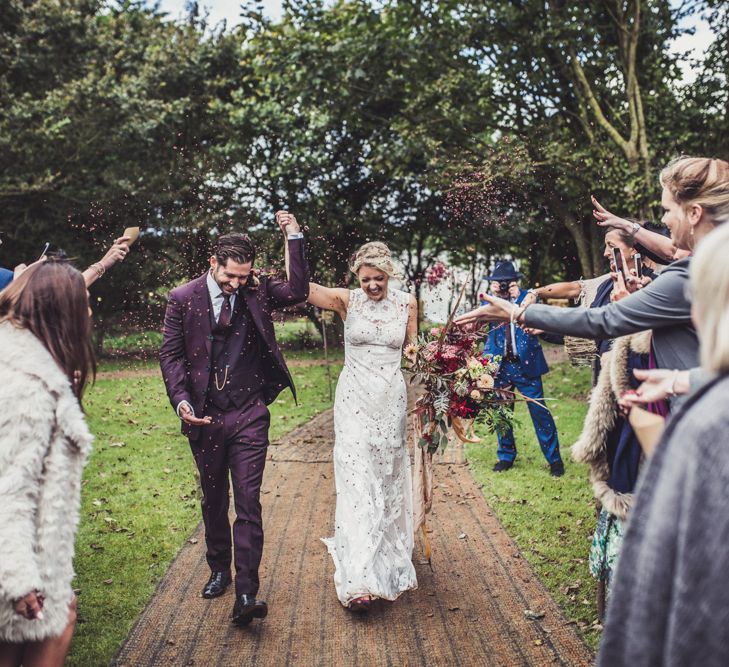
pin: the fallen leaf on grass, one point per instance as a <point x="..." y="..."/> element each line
<point x="571" y="588"/>
<point x="108" y="581"/>
<point x="117" y="444"/>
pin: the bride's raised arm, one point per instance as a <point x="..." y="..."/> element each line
<point x="329" y="298"/>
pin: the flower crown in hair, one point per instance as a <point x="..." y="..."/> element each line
<point x="374" y="254"/>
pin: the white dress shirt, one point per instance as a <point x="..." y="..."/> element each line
<point x="216" y="296"/>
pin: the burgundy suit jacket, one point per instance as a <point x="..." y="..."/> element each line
<point x="185" y="354"/>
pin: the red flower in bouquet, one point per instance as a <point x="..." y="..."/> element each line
<point x="461" y="407"/>
<point x="458" y="383"/>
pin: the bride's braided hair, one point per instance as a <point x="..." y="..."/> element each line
<point x="377" y="255"/>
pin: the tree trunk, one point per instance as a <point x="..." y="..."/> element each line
<point x="597" y="245"/>
<point x="583" y="243"/>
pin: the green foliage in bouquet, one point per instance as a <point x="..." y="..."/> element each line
<point x="458" y="384"/>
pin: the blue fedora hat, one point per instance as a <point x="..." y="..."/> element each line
<point x="504" y="271"/>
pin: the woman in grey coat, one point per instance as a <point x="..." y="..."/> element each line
<point x="46" y="356"/>
<point x="670" y="601"/>
<point x="695" y="200"/>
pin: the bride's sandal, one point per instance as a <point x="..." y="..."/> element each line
<point x="360" y="605"/>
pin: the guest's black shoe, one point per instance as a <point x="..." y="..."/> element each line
<point x="217" y="584"/>
<point x="556" y="469"/>
<point x="246" y="608"/>
<point x="502" y="465"/>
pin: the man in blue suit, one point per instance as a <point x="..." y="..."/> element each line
<point x="522" y="367"/>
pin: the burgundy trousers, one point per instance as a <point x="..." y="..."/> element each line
<point x="233" y="448"/>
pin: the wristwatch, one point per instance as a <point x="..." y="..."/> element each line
<point x="635" y="229"/>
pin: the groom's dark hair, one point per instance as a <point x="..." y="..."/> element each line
<point x="235" y="246"/>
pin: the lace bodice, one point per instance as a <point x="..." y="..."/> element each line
<point x="380" y="323"/>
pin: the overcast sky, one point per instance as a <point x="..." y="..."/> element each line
<point x="220" y="9"/>
<point x="230" y="10"/>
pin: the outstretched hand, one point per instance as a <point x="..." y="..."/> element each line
<point x="607" y="219"/>
<point x="620" y="286"/>
<point x="287" y="222"/>
<point x="30" y="606"/>
<point x="626" y="282"/>
<point x="188" y="416"/>
<point x="20" y="268"/>
<point x="118" y="251"/>
<point x="657" y="384"/>
<point x="496" y="310"/>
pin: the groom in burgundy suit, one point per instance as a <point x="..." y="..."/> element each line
<point x="222" y="367"/>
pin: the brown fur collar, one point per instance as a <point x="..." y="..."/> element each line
<point x="601" y="419"/>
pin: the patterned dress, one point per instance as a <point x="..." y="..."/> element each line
<point x="373" y="537"/>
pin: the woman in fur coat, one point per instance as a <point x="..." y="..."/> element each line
<point x="46" y="356"/>
<point x="611" y="449"/>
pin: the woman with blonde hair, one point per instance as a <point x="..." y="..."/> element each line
<point x="695" y="200"/>
<point x="373" y="536"/>
<point x="670" y="603"/>
<point x="46" y="356"/>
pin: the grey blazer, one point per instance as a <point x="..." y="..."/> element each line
<point x="668" y="605"/>
<point x="662" y="306"/>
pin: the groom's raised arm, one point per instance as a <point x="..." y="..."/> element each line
<point x="172" y="354"/>
<point x="296" y="288"/>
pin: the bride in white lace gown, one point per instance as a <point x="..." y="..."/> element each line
<point x="373" y="533"/>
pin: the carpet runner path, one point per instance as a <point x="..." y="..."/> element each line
<point x="468" y="610"/>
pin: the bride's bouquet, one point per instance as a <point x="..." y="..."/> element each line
<point x="459" y="385"/>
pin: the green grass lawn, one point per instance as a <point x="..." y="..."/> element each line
<point x="294" y="334"/>
<point x="550" y="519"/>
<point x="140" y="502"/>
<point x="139" y="497"/>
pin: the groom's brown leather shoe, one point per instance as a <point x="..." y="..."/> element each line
<point x="217" y="584"/>
<point x="246" y="608"/>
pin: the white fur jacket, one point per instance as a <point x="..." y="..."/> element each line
<point x="44" y="443"/>
<point x="601" y="418"/>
